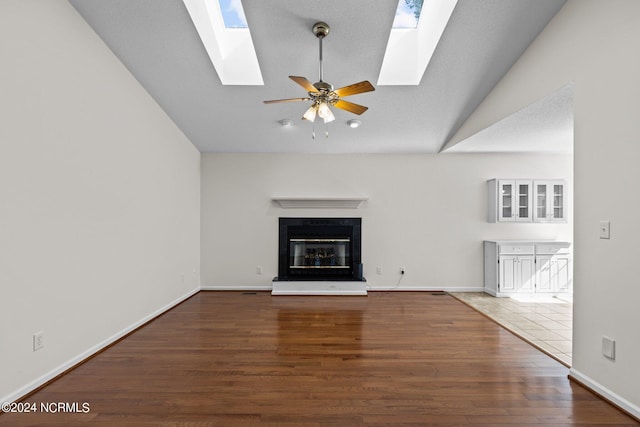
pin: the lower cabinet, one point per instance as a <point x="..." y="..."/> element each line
<point x="553" y="273"/>
<point x="527" y="267"/>
<point x="516" y="273"/>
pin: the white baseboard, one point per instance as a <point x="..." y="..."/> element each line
<point x="607" y="394"/>
<point x="269" y="287"/>
<point x="427" y="288"/>
<point x="23" y="391"/>
<point x="236" y="287"/>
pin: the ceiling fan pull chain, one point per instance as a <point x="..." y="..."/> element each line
<point x="326" y="130"/>
<point x="313" y="131"/>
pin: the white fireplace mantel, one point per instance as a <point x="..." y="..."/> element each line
<point x="319" y="202"/>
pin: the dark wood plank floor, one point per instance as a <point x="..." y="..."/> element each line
<point x="392" y="358"/>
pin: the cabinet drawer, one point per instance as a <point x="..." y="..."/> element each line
<point x="516" y="249"/>
<point x="552" y="248"/>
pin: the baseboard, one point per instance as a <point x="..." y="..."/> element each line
<point x="269" y="287"/>
<point x="605" y="393"/>
<point x="40" y="381"/>
<point x="427" y="288"/>
<point x="236" y="287"/>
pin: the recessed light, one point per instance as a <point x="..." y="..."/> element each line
<point x="286" y="123"/>
<point x="354" y="123"/>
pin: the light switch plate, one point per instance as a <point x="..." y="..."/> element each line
<point x="609" y="348"/>
<point x="605" y="229"/>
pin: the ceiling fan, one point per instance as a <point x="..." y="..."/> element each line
<point x="322" y="93"/>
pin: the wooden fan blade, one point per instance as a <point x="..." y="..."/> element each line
<point x="273" y="101"/>
<point x="355" y="88"/>
<point x="350" y="107"/>
<point x="306" y="84"/>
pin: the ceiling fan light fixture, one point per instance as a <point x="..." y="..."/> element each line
<point x="325" y="112"/>
<point x="310" y="114"/>
<point x="322" y="94"/>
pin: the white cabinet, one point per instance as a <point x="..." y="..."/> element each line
<point x="516" y="273"/>
<point x="510" y="200"/>
<point x="521" y="200"/>
<point x="553" y="269"/>
<point x="519" y="267"/>
<point x="550" y="201"/>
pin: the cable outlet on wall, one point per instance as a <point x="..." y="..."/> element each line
<point x="402" y="270"/>
<point x="605" y="229"/>
<point x="38" y="340"/>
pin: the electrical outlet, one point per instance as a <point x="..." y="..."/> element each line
<point x="38" y="340"/>
<point x="402" y="270"/>
<point x="379" y="270"/>
<point x="259" y="269"/>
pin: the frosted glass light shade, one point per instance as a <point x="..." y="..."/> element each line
<point x="310" y="114"/>
<point x="325" y="112"/>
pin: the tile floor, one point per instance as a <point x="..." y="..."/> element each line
<point x="546" y="322"/>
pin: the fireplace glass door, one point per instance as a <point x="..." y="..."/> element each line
<point x="326" y="253"/>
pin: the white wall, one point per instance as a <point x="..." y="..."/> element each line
<point x="427" y="213"/>
<point x="99" y="195"/>
<point x="595" y="44"/>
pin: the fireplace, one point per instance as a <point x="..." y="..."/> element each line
<point x="324" y="249"/>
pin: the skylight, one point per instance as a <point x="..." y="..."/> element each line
<point x="407" y="13"/>
<point x="226" y="37"/>
<point x="409" y="48"/>
<point x="233" y="13"/>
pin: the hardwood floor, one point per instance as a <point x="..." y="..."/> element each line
<point x="392" y="358"/>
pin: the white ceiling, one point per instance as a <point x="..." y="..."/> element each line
<point x="546" y="126"/>
<point x="158" y="43"/>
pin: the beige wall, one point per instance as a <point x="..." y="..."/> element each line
<point x="427" y="213"/>
<point x="594" y="43"/>
<point x="99" y="196"/>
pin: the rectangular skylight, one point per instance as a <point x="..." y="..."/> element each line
<point x="407" y="13"/>
<point x="233" y="13"/>
<point x="226" y="37"/>
<point x="410" y="48"/>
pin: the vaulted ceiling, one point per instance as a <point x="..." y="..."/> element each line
<point x="158" y="43"/>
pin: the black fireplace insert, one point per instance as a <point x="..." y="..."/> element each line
<point x="320" y="249"/>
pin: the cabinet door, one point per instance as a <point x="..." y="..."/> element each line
<point x="558" y="201"/>
<point x="507" y="280"/>
<point x="541" y="201"/>
<point x="526" y="274"/>
<point x="506" y="200"/>
<point x="561" y="273"/>
<point x="523" y="201"/>
<point x="544" y="279"/>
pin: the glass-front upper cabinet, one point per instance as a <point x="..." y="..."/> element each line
<point x="527" y="200"/>
<point x="550" y="201"/>
<point x="514" y="200"/>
